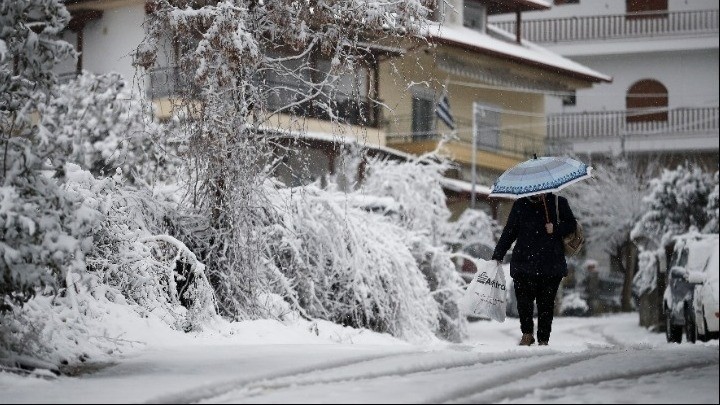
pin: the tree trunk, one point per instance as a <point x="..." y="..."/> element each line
<point x="629" y="259"/>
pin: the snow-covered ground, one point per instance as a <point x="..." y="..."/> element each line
<point x="590" y="360"/>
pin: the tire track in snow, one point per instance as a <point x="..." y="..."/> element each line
<point x="204" y="392"/>
<point x="436" y="362"/>
<point x="511" y="377"/>
<point x="503" y="393"/>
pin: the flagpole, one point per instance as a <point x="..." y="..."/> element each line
<point x="474" y="152"/>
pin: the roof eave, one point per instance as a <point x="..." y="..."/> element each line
<point x="524" y="61"/>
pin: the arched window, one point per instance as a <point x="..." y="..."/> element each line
<point x="644" y="95"/>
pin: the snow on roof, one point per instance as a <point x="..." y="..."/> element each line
<point x="450" y="184"/>
<point x="323" y="136"/>
<point x="541" y="3"/>
<point x="464" y="186"/>
<point x="526" y="52"/>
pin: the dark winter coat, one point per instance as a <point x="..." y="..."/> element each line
<point x="536" y="251"/>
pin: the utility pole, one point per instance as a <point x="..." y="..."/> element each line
<point x="474" y="153"/>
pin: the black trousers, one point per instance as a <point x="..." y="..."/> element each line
<point x="531" y="290"/>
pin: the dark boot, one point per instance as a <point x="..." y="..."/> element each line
<point x="542" y="343"/>
<point x="527" y="340"/>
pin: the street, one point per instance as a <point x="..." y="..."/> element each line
<point x="589" y="360"/>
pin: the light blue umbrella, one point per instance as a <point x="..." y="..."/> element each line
<point x="539" y="175"/>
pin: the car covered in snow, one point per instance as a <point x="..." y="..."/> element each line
<point x="691" y="253"/>
<point x="706" y="297"/>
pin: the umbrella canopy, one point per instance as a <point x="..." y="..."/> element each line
<point x="539" y="175"/>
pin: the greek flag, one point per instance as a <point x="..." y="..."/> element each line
<point x="443" y="111"/>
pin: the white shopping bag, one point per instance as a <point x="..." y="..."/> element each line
<point x="486" y="296"/>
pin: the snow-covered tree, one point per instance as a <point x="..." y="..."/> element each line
<point x="713" y="205"/>
<point x="678" y="200"/>
<point x="39" y="244"/>
<point x="608" y="206"/>
<point x="230" y="60"/>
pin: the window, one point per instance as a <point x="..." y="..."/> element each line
<point x="486" y="124"/>
<point x="561" y="2"/>
<point x="647" y="95"/>
<point x="569" y="100"/>
<point x="475" y="16"/>
<point x="423" y="113"/>
<point x="644" y="8"/>
<point x="346" y="97"/>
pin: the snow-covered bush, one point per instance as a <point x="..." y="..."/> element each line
<point x="72" y="244"/>
<point x="132" y="253"/>
<point x="677" y="201"/>
<point x="645" y="279"/>
<point x="97" y="123"/>
<point x="472" y="227"/>
<point x="111" y="251"/>
<point x="347" y="265"/>
<point x="573" y="304"/>
<point x="422" y="209"/>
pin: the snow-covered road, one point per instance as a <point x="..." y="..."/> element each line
<point x="589" y="360"/>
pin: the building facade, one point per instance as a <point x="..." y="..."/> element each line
<point x="663" y="56"/>
<point x="495" y="82"/>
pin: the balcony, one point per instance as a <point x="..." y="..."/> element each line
<point x="505" y="142"/>
<point x="284" y="97"/>
<point x="618" y="26"/>
<point x="589" y="132"/>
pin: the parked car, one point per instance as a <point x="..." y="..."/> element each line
<point x="691" y="252"/>
<point x="706" y="298"/>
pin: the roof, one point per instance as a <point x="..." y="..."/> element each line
<point x="464" y="186"/>
<point x="511" y="6"/>
<point x="525" y="53"/>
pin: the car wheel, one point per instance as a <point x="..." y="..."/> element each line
<point x="673" y="333"/>
<point x="710" y="335"/>
<point x="690" y="328"/>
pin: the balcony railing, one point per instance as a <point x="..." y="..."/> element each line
<point x="607" y="124"/>
<point x="631" y="25"/>
<point x="507" y="142"/>
<point x="285" y="98"/>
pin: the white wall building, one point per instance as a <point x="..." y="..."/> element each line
<point x="663" y="57"/>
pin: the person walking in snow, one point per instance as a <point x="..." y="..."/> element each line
<point x="538" y="260"/>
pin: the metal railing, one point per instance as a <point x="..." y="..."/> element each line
<point x="631" y="25"/>
<point x="66" y="77"/>
<point x="601" y="124"/>
<point x="508" y="142"/>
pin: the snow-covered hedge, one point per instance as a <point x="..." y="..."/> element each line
<point x="104" y="247"/>
<point x="372" y="257"/>
<point x="350" y="266"/>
